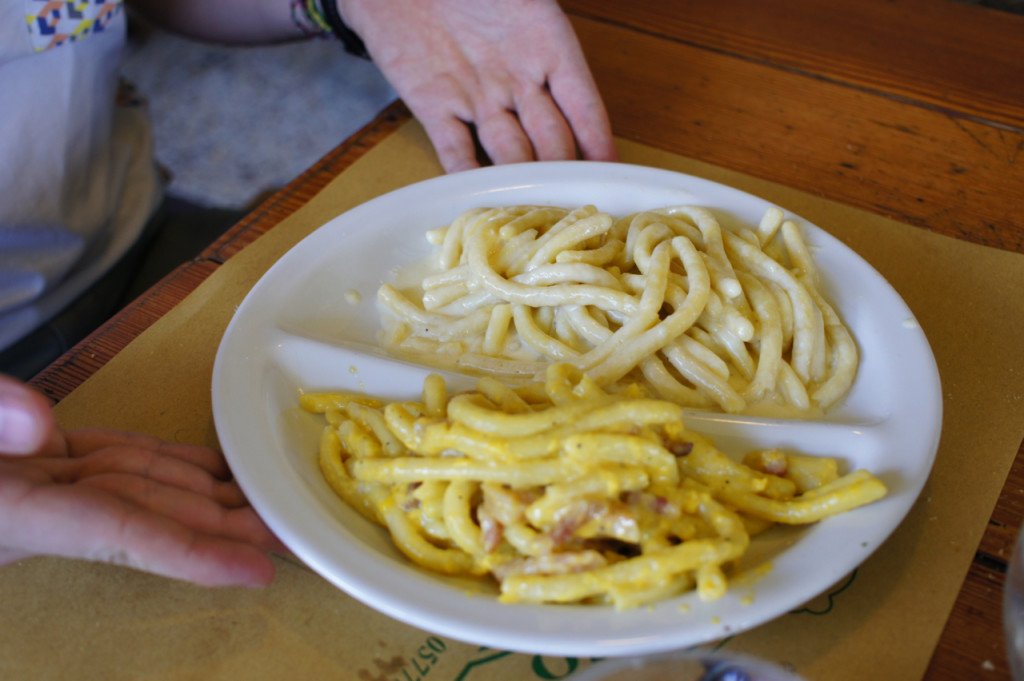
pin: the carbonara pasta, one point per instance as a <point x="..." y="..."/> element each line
<point x="702" y="315"/>
<point x="567" y="493"/>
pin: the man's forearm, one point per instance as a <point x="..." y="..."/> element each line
<point x="225" y="21"/>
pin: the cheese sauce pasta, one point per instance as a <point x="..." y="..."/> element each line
<point x="705" y="316"/>
<point x="564" y="492"/>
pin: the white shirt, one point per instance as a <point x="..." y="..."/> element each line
<point x="77" y="175"/>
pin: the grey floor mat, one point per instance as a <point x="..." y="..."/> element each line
<point x="231" y="123"/>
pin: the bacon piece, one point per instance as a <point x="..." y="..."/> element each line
<point x="490" y="528"/>
<point x="680" y="448"/>
<point x="656" y="503"/>
<point x="562" y="563"/>
<point x="505" y="505"/>
<point x="596" y="519"/>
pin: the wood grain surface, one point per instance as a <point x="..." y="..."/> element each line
<point x="913" y="109"/>
<point x="839" y="135"/>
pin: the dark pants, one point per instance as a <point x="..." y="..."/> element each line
<point x="177" y="233"/>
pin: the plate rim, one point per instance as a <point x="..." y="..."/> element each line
<point x="372" y="595"/>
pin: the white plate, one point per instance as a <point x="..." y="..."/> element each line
<point x="296" y="330"/>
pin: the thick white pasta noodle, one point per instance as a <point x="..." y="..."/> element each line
<point x="705" y="315"/>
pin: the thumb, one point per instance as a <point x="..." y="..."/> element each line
<point x="26" y="422"/>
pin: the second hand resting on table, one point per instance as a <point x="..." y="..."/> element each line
<point x="510" y="69"/>
<point x="123" y="498"/>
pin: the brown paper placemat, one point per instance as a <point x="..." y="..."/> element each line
<point x="74" y="620"/>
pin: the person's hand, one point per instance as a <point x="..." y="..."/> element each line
<point x="122" y="498"/>
<point x="511" y="70"/>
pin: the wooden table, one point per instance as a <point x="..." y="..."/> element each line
<point x="909" y="108"/>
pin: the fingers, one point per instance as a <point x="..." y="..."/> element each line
<point x="503" y="138"/>
<point x="514" y="119"/>
<point x="451" y="139"/>
<point x="148" y="541"/>
<point x="85" y="442"/>
<point x="212" y="562"/>
<point x="572" y="86"/>
<point x="26" y="422"/>
<point x="135" y="507"/>
<point x="184" y="483"/>
<point x="542" y="124"/>
<point x="576" y="95"/>
<point x="536" y="130"/>
<point x="193" y="510"/>
<point x="552" y="138"/>
<point x="145" y="464"/>
<point x="140" y="524"/>
<point x="167" y="487"/>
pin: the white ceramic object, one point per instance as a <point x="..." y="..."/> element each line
<point x="299" y="329"/>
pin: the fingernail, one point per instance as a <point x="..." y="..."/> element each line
<point x="19" y="432"/>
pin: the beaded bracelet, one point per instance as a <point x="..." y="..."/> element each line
<point x="320" y="18"/>
<point x="306" y="21"/>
